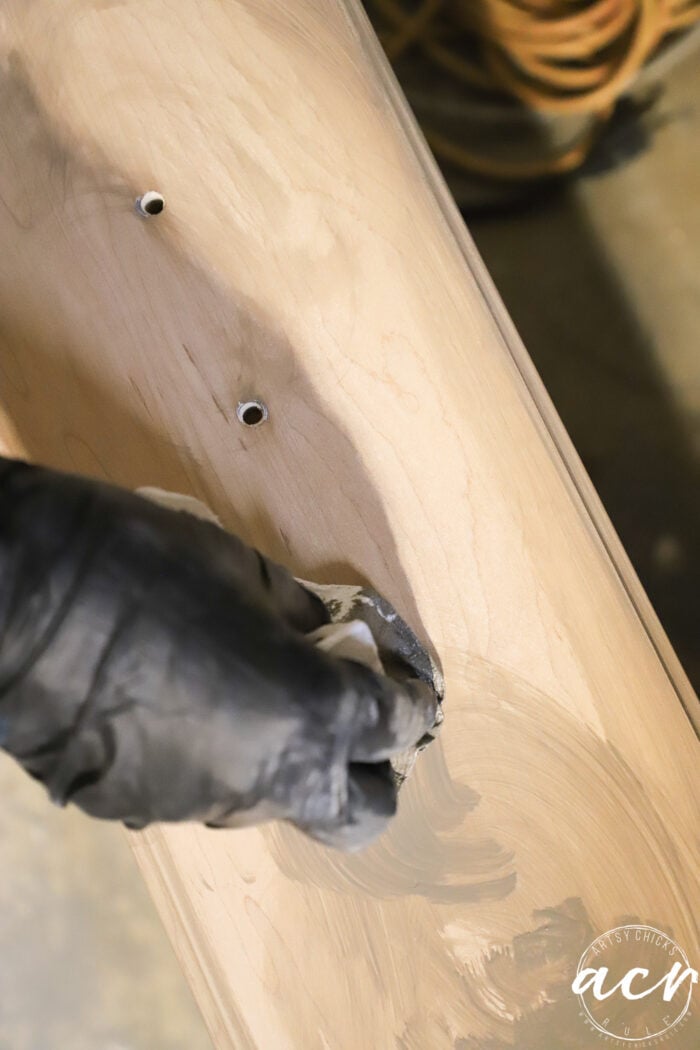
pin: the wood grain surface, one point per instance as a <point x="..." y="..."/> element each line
<point x="309" y="255"/>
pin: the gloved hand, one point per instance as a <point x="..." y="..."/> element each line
<point x="154" y="667"/>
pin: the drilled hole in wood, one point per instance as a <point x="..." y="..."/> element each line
<point x="150" y="204"/>
<point x="252" y="413"/>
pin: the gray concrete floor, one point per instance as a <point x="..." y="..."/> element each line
<point x="84" y="961"/>
<point x="603" y="280"/>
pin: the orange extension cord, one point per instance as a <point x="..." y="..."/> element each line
<point x="553" y="56"/>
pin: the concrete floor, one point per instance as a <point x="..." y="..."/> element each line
<point x="603" y="280"/>
<point x="84" y="961"/>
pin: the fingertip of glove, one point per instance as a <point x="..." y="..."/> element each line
<point x="371" y="804"/>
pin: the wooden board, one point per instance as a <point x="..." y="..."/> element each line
<point x="310" y="255"/>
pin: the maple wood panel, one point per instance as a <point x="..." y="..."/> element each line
<point x="309" y="255"/>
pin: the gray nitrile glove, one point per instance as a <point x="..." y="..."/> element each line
<point x="154" y="667"/>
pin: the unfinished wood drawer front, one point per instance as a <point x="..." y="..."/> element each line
<point x="308" y="255"/>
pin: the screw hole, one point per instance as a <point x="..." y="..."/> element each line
<point x="150" y="204"/>
<point x="252" y="413"/>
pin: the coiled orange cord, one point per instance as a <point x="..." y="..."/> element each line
<point x="553" y="56"/>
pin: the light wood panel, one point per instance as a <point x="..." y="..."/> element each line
<point x="310" y="255"/>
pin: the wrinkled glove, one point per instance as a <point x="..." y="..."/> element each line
<point x="153" y="667"/>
